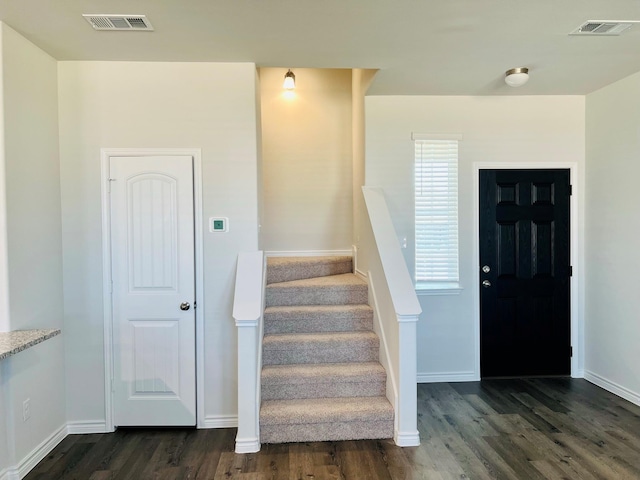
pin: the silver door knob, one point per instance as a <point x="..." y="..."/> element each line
<point x="486" y="269"/>
<point x="486" y="283"/>
<point x="185" y="306"/>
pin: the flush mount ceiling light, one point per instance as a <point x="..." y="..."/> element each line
<point x="289" y="81"/>
<point x="516" y="77"/>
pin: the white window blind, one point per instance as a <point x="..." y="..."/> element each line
<point x="436" y="210"/>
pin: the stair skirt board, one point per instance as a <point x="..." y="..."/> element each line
<point x="321" y="378"/>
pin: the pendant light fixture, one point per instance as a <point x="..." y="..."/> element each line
<point x="289" y="81"/>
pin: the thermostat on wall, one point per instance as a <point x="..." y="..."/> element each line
<point x="218" y="224"/>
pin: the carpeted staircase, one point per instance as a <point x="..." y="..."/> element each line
<point x="321" y="379"/>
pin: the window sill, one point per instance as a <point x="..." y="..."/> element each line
<point x="444" y="288"/>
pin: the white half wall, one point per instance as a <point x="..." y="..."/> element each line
<point x="34" y="245"/>
<point x="495" y="129"/>
<point x="211" y="106"/>
<point x="612" y="332"/>
<point x="306" y="155"/>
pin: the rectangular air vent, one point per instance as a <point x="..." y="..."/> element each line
<point x="119" y="22"/>
<point x="603" y="27"/>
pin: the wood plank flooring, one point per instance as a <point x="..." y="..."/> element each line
<point x="513" y="429"/>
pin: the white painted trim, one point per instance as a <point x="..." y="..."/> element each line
<point x="354" y="256"/>
<point x="385" y="356"/>
<point x="577" y="340"/>
<point x="9" y="473"/>
<point x="436" y="136"/>
<point x="579" y="374"/>
<point x="196" y="154"/>
<point x="37" y="454"/>
<point x="247" y="445"/>
<point x="447" y="377"/>
<point x="407" y="439"/>
<point x="87" y="427"/>
<point x="361" y="275"/>
<point x="309" y="253"/>
<point x="613" y="387"/>
<point x="220" y="421"/>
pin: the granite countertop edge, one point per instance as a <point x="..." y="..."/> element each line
<point x="19" y="340"/>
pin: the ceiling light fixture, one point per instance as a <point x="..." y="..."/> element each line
<point x="516" y="77"/>
<point x="289" y="81"/>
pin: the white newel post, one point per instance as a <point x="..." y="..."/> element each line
<point x="247" y="311"/>
<point x="247" y="439"/>
<point x="407" y="434"/>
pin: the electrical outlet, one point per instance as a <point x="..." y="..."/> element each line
<point x="26" y="410"/>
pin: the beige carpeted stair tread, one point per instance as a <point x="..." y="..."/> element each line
<point x="322" y="373"/>
<point x="345" y="289"/>
<point x="282" y="269"/>
<point x="343" y="280"/>
<point x="306" y="312"/>
<point x="325" y="410"/>
<point x="317" y="318"/>
<point x="318" y="340"/>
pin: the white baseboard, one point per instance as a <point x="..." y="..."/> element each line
<point x="309" y="253"/>
<point x="577" y="374"/>
<point x="247" y="445"/>
<point x="220" y="421"/>
<point x="362" y="275"/>
<point x="37" y="454"/>
<point x="613" y="387"/>
<point x="9" y="474"/>
<point x="407" y="439"/>
<point x="447" y="377"/>
<point x="85" y="427"/>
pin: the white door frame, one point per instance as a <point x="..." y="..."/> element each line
<point x="105" y="154"/>
<point x="577" y="337"/>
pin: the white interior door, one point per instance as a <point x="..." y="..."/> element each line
<point x="153" y="272"/>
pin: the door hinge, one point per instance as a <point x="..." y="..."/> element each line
<point x="570" y="189"/>
<point x="571" y="352"/>
<point x="109" y="183"/>
<point x="571" y="271"/>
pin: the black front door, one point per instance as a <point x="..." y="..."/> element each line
<point x="524" y="273"/>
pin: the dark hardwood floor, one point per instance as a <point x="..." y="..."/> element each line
<point x="513" y="429"/>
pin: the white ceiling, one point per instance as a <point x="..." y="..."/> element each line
<point x="430" y="47"/>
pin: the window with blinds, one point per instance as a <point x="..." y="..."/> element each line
<point x="436" y="210"/>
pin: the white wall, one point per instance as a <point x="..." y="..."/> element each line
<point x="161" y="105"/>
<point x="34" y="241"/>
<point x="494" y="129"/>
<point x="612" y="228"/>
<point x="306" y="138"/>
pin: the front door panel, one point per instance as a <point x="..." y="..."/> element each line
<point x="524" y="273"/>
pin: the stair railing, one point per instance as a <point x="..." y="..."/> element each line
<point x="396" y="311"/>
<point x="248" y="309"/>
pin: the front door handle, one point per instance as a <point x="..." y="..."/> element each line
<point x="486" y="283"/>
<point x="185" y="306"/>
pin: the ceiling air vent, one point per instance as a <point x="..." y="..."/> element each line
<point x="119" y="22"/>
<point x="602" y="27"/>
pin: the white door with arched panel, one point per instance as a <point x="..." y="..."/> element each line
<point x="153" y="294"/>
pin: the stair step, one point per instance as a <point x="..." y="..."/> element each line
<point x="325" y="419"/>
<point x="286" y="269"/>
<point x="344" y="289"/>
<point x="317" y="318"/>
<point x="337" y="347"/>
<point x="323" y="380"/>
